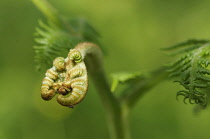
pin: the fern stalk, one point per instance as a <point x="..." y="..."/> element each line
<point x="116" y="115"/>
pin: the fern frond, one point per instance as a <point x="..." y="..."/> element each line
<point x="52" y="40"/>
<point x="192" y="70"/>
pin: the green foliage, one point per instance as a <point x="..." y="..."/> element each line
<point x="191" y="70"/>
<point x="123" y="77"/>
<point x="53" y="39"/>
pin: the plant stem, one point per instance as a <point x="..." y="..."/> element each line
<point x="116" y="115"/>
<point x="134" y="92"/>
<point x="126" y="120"/>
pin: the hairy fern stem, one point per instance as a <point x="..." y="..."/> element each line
<point x="117" y="115"/>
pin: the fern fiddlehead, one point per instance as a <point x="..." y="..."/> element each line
<point x="192" y="70"/>
<point x="68" y="77"/>
<point x="52" y="75"/>
<point x="76" y="80"/>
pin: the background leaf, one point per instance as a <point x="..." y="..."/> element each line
<point x="123" y="77"/>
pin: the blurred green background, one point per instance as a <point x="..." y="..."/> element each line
<point x="133" y="31"/>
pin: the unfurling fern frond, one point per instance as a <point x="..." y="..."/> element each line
<point x="192" y="70"/>
<point x="67" y="78"/>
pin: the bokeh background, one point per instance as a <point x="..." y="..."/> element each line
<point x="133" y="31"/>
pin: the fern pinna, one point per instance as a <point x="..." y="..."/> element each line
<point x="192" y="70"/>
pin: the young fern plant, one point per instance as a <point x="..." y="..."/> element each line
<point x="68" y="77"/>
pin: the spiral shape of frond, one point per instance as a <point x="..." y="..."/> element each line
<point x="68" y="78"/>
